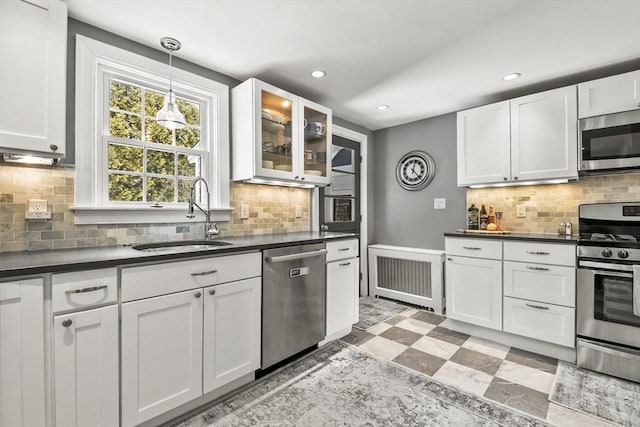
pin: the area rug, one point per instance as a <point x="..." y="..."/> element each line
<point x="339" y="385"/>
<point x="375" y="310"/>
<point x="596" y="394"/>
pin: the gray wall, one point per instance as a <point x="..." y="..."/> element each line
<point x="407" y="218"/>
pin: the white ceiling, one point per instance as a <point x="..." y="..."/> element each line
<point x="421" y="57"/>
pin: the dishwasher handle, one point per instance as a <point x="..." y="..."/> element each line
<point x="301" y="255"/>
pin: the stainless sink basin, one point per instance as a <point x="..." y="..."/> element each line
<point x="182" y="246"/>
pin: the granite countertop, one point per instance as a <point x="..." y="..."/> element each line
<point x="26" y="263"/>
<point x="545" y="238"/>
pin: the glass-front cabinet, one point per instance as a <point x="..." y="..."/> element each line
<point x="279" y="137"/>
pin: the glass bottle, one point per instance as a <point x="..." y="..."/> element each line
<point x="491" y="216"/>
<point x="472" y="214"/>
<point x="483" y="218"/>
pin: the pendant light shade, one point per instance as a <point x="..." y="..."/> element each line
<point x="169" y="115"/>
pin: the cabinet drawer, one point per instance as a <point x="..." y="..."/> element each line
<point x="545" y="322"/>
<point x="159" y="279"/>
<point x="342" y="249"/>
<point x="545" y="253"/>
<point x="475" y="248"/>
<point x="552" y="284"/>
<point x="84" y="289"/>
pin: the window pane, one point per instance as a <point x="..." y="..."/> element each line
<point x="125" y="158"/>
<point x="153" y="132"/>
<point x="184" y="190"/>
<point x="342" y="184"/>
<point x="191" y="111"/>
<point x="125" y="188"/>
<point x="160" y="162"/>
<point x="124" y="97"/>
<point x="338" y="209"/>
<point x="125" y="125"/>
<point x="189" y="165"/>
<point x="187" y="137"/>
<point x="153" y="102"/>
<point x="160" y="189"/>
<point x="342" y="159"/>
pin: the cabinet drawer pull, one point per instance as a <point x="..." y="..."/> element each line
<point x="472" y="248"/>
<point x="537" y="268"/>
<point x="67" y="322"/>
<point x="449" y="259"/>
<point x="83" y="290"/>
<point x="343" y="249"/>
<point x="344" y="264"/>
<point x="198" y="294"/>
<point x="204" y="273"/>
<point x="537" y="253"/>
<point x="540" y="307"/>
<point x="212" y="291"/>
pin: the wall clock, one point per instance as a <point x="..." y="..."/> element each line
<point x="415" y="170"/>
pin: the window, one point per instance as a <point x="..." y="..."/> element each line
<point x="127" y="166"/>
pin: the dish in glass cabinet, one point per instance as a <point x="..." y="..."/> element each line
<point x="313" y="172"/>
<point x="270" y="126"/>
<point x="286" y="168"/>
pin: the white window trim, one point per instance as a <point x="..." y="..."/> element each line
<point x="91" y="58"/>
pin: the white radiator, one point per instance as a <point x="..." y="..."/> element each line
<point x="411" y="275"/>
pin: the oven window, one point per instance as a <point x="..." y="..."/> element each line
<point x="613" y="300"/>
<point x="611" y="143"/>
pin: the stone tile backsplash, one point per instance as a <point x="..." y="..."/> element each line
<point x="271" y="210"/>
<point x="548" y="205"/>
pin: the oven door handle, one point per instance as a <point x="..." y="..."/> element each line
<point x="636" y="290"/>
<point x="611" y="269"/>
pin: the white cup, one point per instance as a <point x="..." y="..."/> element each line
<point x="267" y="164"/>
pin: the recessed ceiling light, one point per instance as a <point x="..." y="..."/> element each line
<point x="511" y="76"/>
<point x="382" y="107"/>
<point x="318" y="74"/>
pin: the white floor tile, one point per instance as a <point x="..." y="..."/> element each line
<point x="436" y="347"/>
<point x="416" y="326"/>
<point x="383" y="347"/>
<point x="464" y="378"/>
<point x="487" y="347"/>
<point x="565" y="417"/>
<point x="526" y="376"/>
<point x="379" y="328"/>
<point x="410" y="312"/>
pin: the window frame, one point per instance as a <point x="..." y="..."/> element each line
<point x="96" y="61"/>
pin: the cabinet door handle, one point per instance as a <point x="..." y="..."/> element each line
<point x="539" y="307"/>
<point x="212" y="291"/>
<point x="471" y="248"/>
<point x="67" y="322"/>
<point x="83" y="290"/>
<point x="537" y="268"/>
<point x="344" y="264"/>
<point x="198" y="294"/>
<point x="343" y="249"/>
<point x="449" y="259"/>
<point x="204" y="273"/>
<point x="537" y="253"/>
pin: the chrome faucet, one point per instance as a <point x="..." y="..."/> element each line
<point x="210" y="228"/>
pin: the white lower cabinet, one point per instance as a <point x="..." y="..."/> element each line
<point x="342" y="294"/>
<point x="22" y="383"/>
<point x="161" y="354"/>
<point x="474" y="291"/>
<point x="545" y="322"/>
<point x="232" y="318"/>
<point x="86" y="368"/>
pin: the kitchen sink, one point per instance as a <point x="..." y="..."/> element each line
<point x="182" y="246"/>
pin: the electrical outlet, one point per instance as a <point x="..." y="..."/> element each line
<point x="37" y="215"/>
<point x="37" y="205"/>
<point x="440" y="203"/>
<point x="521" y="211"/>
<point x="298" y="211"/>
<point x="244" y="211"/>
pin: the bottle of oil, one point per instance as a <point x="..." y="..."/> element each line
<point x="483" y="218"/>
<point x="472" y="217"/>
<point x="491" y="216"/>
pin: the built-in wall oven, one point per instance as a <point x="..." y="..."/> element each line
<point x="608" y="289"/>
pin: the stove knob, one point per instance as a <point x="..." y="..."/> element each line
<point x="623" y="254"/>
<point x="606" y="253"/>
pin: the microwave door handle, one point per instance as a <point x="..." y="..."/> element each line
<point x="636" y="290"/>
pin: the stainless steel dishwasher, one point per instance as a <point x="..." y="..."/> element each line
<point x="293" y="300"/>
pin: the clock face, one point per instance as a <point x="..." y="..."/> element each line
<point x="415" y="170"/>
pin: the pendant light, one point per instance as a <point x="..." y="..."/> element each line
<point x="169" y="115"/>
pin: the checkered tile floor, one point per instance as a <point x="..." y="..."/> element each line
<point x="514" y="377"/>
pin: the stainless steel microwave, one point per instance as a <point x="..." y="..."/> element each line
<point x="610" y="142"/>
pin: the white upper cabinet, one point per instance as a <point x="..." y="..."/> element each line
<point x="278" y="136"/>
<point x="33" y="77"/>
<point x="533" y="137"/>
<point x="609" y="95"/>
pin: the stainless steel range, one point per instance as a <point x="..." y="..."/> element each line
<point x="608" y="289"/>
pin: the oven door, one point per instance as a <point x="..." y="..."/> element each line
<point x="610" y="142"/>
<point x="607" y="304"/>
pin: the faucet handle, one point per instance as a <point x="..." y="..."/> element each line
<point x="213" y="230"/>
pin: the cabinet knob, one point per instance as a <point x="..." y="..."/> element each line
<point x="67" y="322"/>
<point x="53" y="147"/>
<point x="297" y="177"/>
<point x="504" y="178"/>
<point x="302" y="179"/>
<point x="515" y="178"/>
<point x="212" y="291"/>
<point x="198" y="294"/>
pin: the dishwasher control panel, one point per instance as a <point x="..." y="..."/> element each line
<point x="301" y="271"/>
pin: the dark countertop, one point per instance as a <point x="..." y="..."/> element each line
<point x="13" y="264"/>
<point x="543" y="238"/>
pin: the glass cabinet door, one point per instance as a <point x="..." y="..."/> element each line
<point x="276" y="130"/>
<point x="316" y="146"/>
